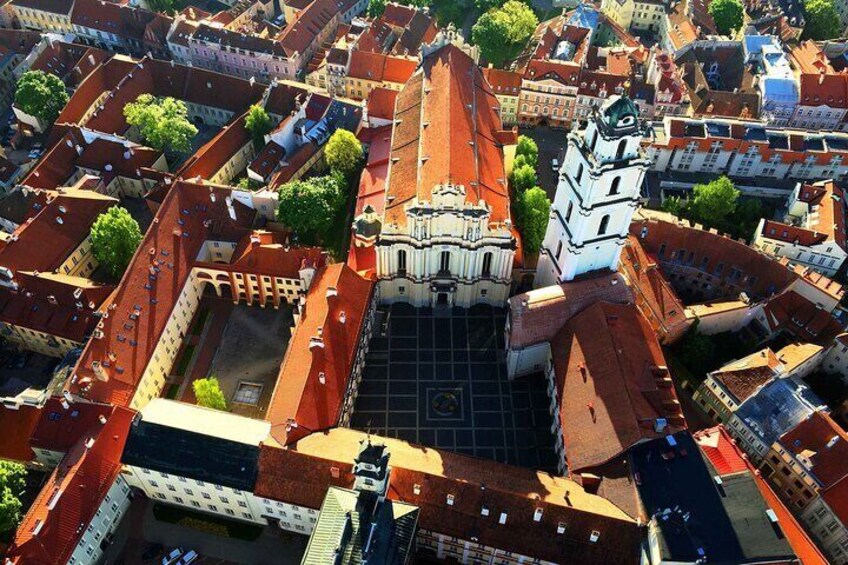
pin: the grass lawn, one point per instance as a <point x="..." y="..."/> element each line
<point x="188" y="353"/>
<point x="206" y="523"/>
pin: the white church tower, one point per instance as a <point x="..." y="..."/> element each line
<point x="597" y="194"/>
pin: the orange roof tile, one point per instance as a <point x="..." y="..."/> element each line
<point x="18" y="426"/>
<point x="727" y="458"/>
<point x="612" y="384"/>
<point x="71" y="496"/>
<point x="448" y="121"/>
<point x="314" y="376"/>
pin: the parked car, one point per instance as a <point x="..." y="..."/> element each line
<point x="555" y="165"/>
<point x="172" y="557"/>
<point x="189" y="557"/>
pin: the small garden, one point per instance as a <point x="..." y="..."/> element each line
<point x="207" y="523"/>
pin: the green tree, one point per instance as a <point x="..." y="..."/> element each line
<point x="535" y="208"/>
<point x="343" y="152"/>
<point x="522" y="178"/>
<point x="713" y="203"/>
<point x="727" y="15"/>
<point x="208" y="393"/>
<point x="164" y="6"/>
<point x="502" y="32"/>
<point x="528" y="149"/>
<point x="115" y="236"/>
<point x="162" y="122"/>
<point x="376" y="8"/>
<point x="258" y="123"/>
<point x="41" y="95"/>
<point x="12" y="485"/>
<point x="821" y="20"/>
<point x="673" y="205"/>
<point x="308" y="207"/>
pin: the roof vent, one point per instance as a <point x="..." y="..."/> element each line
<point x="537" y="515"/>
<point x="595" y="536"/>
<point x="502" y="518"/>
<point x="322" y="378"/>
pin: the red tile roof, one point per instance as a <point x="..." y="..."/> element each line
<point x="825" y="444"/>
<point x="742" y="378"/>
<point x="795" y="314"/>
<point x="71" y="496"/>
<point x="323" y="346"/>
<point x="503" y="82"/>
<point x="726" y="457"/>
<point x="819" y="89"/>
<point x="654" y="296"/>
<point x="440" y="139"/>
<point x="425" y="476"/>
<point x="536" y="316"/>
<point x="59" y="428"/>
<point x="17" y="426"/>
<point x="612" y="384"/>
<point x="189" y="215"/>
<point x="379" y="68"/>
<point x="381" y="103"/>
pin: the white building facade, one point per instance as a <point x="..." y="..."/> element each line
<point x="598" y="192"/>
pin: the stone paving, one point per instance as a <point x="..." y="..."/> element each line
<point x="438" y="378"/>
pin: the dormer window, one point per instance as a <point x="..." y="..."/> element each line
<point x="450" y="500"/>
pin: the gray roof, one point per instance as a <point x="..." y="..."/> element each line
<point x="348" y="533"/>
<point x="777" y="408"/>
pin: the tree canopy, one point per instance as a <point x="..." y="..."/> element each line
<point x="115" y="236"/>
<point x="502" y="32"/>
<point x="258" y="123"/>
<point x="821" y="20"/>
<point x="41" y="95"/>
<point x="523" y="177"/>
<point x="165" y="6"/>
<point x="308" y="207"/>
<point x="343" y="152"/>
<point x="535" y="208"/>
<point x="527" y="149"/>
<point x="162" y="122"/>
<point x="727" y="15"/>
<point x="12" y="485"/>
<point x="208" y="393"/>
<point x="714" y="202"/>
<point x="376" y="8"/>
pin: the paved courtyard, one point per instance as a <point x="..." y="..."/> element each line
<point x="247" y="357"/>
<point x="438" y="378"/>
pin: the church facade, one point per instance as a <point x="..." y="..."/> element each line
<point x="597" y="194"/>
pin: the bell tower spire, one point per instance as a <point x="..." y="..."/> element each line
<point x="597" y="194"/>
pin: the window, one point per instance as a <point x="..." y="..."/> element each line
<point x="619" y="153"/>
<point x="614" y="186"/>
<point x="579" y="174"/>
<point x="559" y="250"/>
<point x="568" y="212"/>
<point x="401" y="259"/>
<point x="602" y="229"/>
<point x="444" y="262"/>
<point x="487" y="264"/>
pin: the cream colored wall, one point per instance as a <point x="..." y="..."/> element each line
<point x="109" y="515"/>
<point x="43" y="21"/>
<point x="467" y="552"/>
<point x="39" y="342"/>
<point x="80" y="263"/>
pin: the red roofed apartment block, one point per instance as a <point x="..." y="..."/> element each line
<point x="130" y="354"/>
<point x="813" y="233"/>
<point x="728" y="459"/>
<point x="808" y="466"/>
<point x="69" y="512"/>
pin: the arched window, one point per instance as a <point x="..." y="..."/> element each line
<point x="444" y="263"/>
<point x="568" y="213"/>
<point x="614" y="186"/>
<point x="487" y="264"/>
<point x="602" y="229"/>
<point x="579" y="174"/>
<point x="622" y="145"/>
<point x="401" y="261"/>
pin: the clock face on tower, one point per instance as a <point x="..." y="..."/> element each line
<point x="598" y="191"/>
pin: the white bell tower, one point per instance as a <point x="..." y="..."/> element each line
<point x="598" y="192"/>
